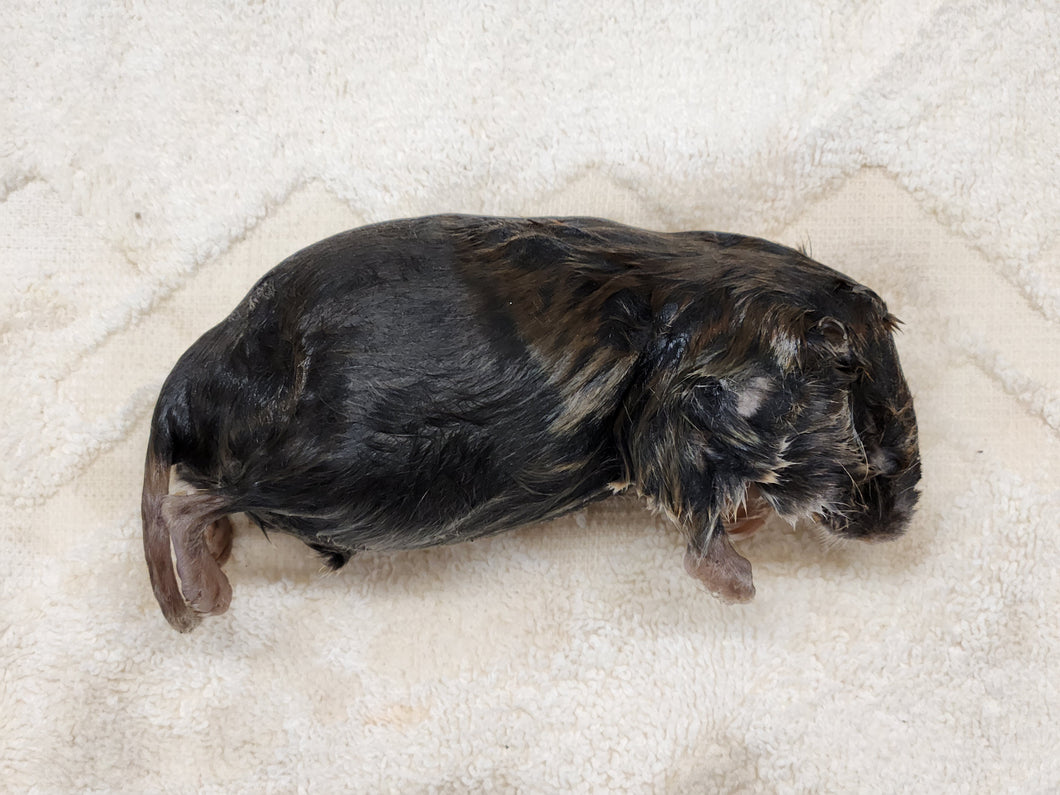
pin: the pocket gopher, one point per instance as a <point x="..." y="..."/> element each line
<point x="432" y="380"/>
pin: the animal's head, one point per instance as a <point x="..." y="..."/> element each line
<point x="802" y="406"/>
<point x="804" y="410"/>
<point x="879" y="498"/>
<point x="770" y="380"/>
<point x="843" y="420"/>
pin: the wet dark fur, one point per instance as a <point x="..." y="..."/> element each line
<point x="433" y="380"/>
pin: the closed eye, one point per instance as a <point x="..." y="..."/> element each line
<point x="882" y="462"/>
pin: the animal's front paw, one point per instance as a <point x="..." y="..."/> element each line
<point x="725" y="572"/>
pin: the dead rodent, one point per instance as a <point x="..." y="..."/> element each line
<point x="439" y="379"/>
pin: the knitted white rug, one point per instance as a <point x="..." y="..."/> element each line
<point x="155" y="159"/>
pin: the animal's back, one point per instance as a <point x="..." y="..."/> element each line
<point x="362" y="396"/>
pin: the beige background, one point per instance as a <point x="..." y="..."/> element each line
<point x="912" y="146"/>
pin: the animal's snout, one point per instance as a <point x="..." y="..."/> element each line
<point x="880" y="508"/>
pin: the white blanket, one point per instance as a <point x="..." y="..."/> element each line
<point x="155" y="159"/>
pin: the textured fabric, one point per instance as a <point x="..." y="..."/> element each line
<point x="155" y="160"/>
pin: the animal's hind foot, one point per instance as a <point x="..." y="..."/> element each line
<point x="201" y="535"/>
<point x="207" y="592"/>
<point x="203" y="584"/>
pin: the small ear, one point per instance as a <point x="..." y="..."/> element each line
<point x="833" y="332"/>
<point x="725" y="572"/>
<point x="881" y="461"/>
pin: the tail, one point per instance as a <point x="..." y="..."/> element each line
<point x="157" y="538"/>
